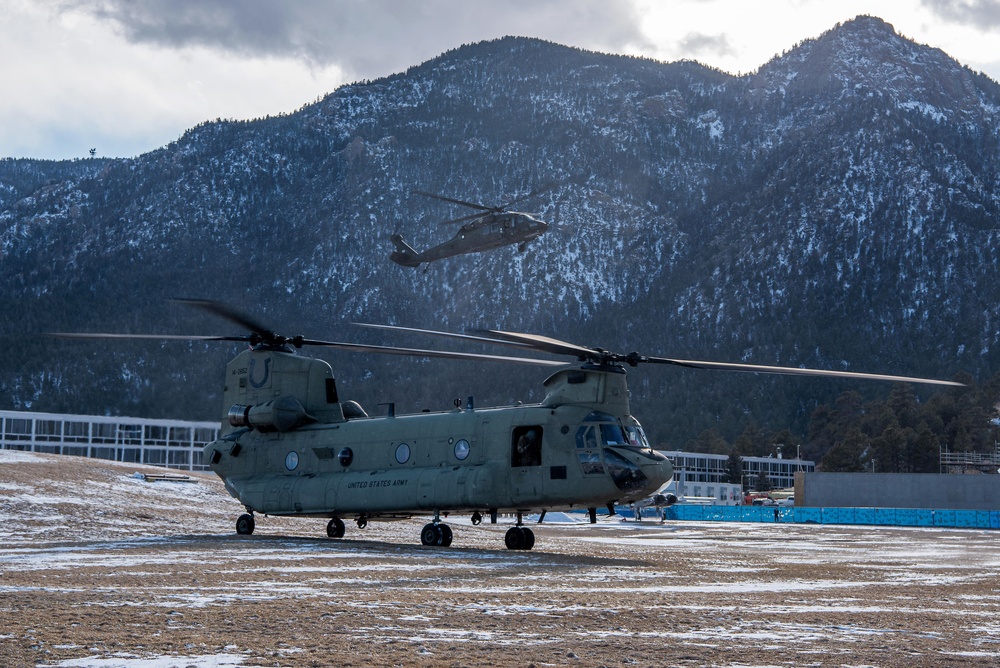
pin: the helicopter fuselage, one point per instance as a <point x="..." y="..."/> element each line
<point x="290" y="448"/>
<point x="488" y="232"/>
<point x="461" y="460"/>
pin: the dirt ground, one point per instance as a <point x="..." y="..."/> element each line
<point x="99" y="568"/>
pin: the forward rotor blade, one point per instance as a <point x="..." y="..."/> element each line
<point x="455" y="201"/>
<point x="796" y="371"/>
<point x="417" y="352"/>
<point x="547" y="344"/>
<point x="451" y="335"/>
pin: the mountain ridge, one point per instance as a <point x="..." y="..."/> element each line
<point x="805" y="214"/>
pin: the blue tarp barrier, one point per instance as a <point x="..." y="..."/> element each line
<point x="919" y="517"/>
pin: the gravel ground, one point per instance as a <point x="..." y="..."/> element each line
<point x="100" y="569"/>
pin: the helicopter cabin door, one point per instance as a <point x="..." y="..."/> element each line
<point x="526" y="463"/>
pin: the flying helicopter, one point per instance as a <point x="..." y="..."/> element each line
<point x="289" y="446"/>
<point x="489" y="228"/>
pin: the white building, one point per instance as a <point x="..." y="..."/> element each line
<point x="171" y="443"/>
<point x="702" y="476"/>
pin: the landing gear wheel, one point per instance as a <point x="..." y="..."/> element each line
<point x="245" y="524"/>
<point x="436" y="534"/>
<point x="335" y="528"/>
<point x="362" y="522"/>
<point x="519" y="538"/>
<point x="514" y="540"/>
<point x="476" y="518"/>
<point x="429" y="534"/>
<point x="529" y="538"/>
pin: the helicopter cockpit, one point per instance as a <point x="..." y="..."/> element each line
<point x="603" y="444"/>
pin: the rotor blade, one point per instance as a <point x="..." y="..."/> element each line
<point x="455" y="201"/>
<point x="163" y="337"/>
<point x="796" y="371"/>
<point x="546" y="344"/>
<point x="228" y="313"/>
<point x="462" y="219"/>
<point x="416" y="352"/>
<point x="465" y="337"/>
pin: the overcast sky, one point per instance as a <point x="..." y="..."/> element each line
<point x="128" y="76"/>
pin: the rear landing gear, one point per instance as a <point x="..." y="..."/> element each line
<point x="245" y="524"/>
<point x="335" y="528"/>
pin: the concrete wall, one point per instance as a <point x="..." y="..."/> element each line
<point x="897" y="490"/>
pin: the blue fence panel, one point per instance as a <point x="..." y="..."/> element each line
<point x="965" y="518"/>
<point x="995" y="519"/>
<point x="695" y="513"/>
<point x="864" y="516"/>
<point x="713" y="513"/>
<point x="944" y="518"/>
<point x="884" y="516"/>
<point x="809" y="515"/>
<point x="838" y="515"/>
<point x="732" y="513"/>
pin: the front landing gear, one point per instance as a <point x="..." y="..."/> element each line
<point x="436" y="534"/>
<point x="519" y="537"/>
<point x="245" y="524"/>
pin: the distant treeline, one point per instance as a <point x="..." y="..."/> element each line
<point x="896" y="434"/>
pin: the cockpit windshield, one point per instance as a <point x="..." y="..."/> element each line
<point x="636" y="436"/>
<point x="612" y="434"/>
<point x="618" y="432"/>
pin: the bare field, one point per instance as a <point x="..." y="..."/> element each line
<point x="101" y="569"/>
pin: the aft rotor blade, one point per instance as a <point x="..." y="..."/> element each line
<point x="153" y="337"/>
<point x="417" y="352"/>
<point x="796" y="371"/>
<point x="229" y="314"/>
<point x="451" y="335"/>
<point x="455" y="201"/>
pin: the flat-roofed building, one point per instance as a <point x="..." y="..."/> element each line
<point x="699" y="474"/>
<point x="175" y="444"/>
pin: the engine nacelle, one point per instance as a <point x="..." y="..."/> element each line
<point x="282" y="414"/>
<point x="664" y="500"/>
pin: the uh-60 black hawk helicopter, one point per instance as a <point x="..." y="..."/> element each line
<point x="489" y="228"/>
<point x="289" y="446"/>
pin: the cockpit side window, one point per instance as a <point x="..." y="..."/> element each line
<point x="586" y="437"/>
<point x="591" y="463"/>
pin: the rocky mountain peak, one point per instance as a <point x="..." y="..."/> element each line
<point x="838" y="208"/>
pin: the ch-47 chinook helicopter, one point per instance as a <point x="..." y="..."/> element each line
<point x="489" y="228"/>
<point x="289" y="446"/>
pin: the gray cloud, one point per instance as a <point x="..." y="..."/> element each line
<point x="699" y="43"/>
<point x="365" y="38"/>
<point x="980" y="14"/>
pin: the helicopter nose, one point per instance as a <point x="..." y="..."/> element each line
<point x="659" y="473"/>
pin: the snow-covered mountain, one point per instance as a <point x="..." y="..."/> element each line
<point x="838" y="208"/>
